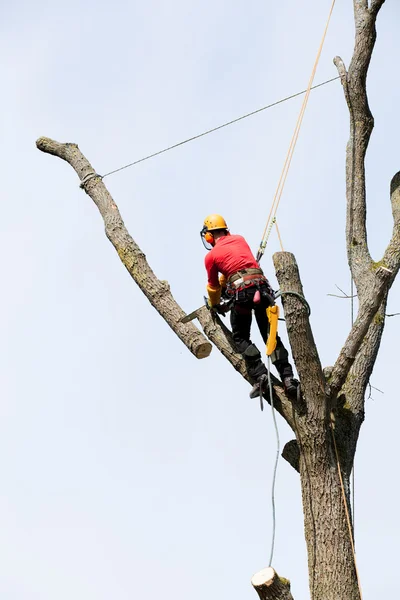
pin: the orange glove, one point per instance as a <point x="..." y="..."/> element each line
<point x="214" y="294"/>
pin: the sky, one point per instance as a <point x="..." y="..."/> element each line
<point x="128" y="468"/>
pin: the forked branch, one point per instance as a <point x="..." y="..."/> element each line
<point x="373" y="280"/>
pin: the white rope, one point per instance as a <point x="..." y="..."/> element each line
<point x="271" y="395"/>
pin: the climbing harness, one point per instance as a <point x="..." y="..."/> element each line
<point x="243" y="279"/>
<point x="289" y="156"/>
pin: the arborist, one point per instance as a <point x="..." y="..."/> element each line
<point x="242" y="280"/>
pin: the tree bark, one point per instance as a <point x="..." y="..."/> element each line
<point x="305" y="353"/>
<point x="269" y="586"/>
<point x="332" y="574"/>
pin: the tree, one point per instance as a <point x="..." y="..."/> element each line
<point x="327" y="422"/>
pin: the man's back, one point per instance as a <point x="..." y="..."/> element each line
<point x="230" y="254"/>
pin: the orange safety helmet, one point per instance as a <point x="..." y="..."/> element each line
<point x="211" y="223"/>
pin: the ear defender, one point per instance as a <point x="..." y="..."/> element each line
<point x="209" y="238"/>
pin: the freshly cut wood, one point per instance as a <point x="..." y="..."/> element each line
<point x="269" y="586"/>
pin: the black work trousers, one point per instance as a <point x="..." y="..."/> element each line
<point x="241" y="317"/>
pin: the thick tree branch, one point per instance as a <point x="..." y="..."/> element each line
<point x="350" y="413"/>
<point x="367" y="311"/>
<point x="361" y="370"/>
<point x="360" y="5"/>
<point x="372" y="280"/>
<point x="391" y="258"/>
<point x="361" y="125"/>
<point x="375" y="6"/>
<point x="304" y="351"/>
<point x="269" y="586"/>
<point x="157" y="291"/>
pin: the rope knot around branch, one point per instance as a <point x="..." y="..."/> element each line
<point x="88" y="178"/>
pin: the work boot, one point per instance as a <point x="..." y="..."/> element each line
<point x="262" y="382"/>
<point x="290" y="385"/>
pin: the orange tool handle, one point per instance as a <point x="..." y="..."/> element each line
<point x="273" y="316"/>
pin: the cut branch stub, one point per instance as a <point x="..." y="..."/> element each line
<point x="269" y="586"/>
<point x="157" y="291"/>
<point x="291" y="453"/>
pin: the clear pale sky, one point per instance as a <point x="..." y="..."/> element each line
<point x="128" y="468"/>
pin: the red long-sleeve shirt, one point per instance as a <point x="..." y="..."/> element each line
<point x="230" y="254"/>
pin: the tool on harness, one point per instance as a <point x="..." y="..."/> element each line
<point x="248" y="278"/>
<point x="273" y="316"/>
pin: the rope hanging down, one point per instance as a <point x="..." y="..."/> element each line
<point x="271" y="395"/>
<point x="346" y="507"/>
<point x="353" y="482"/>
<point x="292" y="146"/>
<point x="196" y="137"/>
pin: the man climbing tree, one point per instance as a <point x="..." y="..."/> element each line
<point x="326" y="427"/>
<point x="245" y="284"/>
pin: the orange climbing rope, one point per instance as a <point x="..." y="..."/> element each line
<point x="289" y="156"/>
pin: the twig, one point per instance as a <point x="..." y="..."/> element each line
<point x="345" y="296"/>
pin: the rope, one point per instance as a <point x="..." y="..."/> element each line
<point x="195" y="137"/>
<point x="279" y="234"/>
<point x="299" y="296"/>
<point x="346" y="509"/>
<point x="271" y="395"/>
<point x="292" y="146"/>
<point x="352" y="472"/>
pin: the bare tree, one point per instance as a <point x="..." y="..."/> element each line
<point x="326" y="423"/>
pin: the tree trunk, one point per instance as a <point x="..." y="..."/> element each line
<point x="331" y="567"/>
<point x="337" y="396"/>
<point x="332" y="573"/>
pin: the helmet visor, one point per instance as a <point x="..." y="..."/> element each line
<point x="206" y="244"/>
